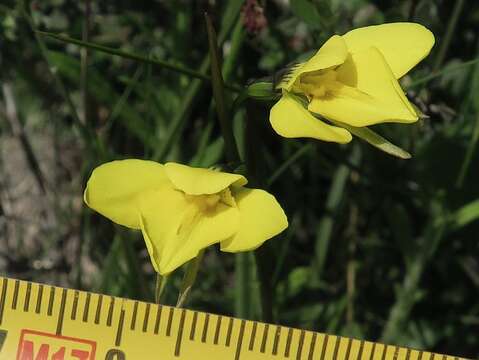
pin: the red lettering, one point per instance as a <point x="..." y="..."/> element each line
<point x="27" y="351"/>
<point x="81" y="354"/>
<point x="60" y="354"/>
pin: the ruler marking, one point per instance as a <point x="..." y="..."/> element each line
<point x="158" y="318"/>
<point x="98" y="309"/>
<point x="240" y="340"/>
<point x="408" y="353"/>
<point x="193" y="326"/>
<point x="348" y="349"/>
<point x="170" y="322"/>
<point x="26" y="303"/>
<point x="38" y="306"/>
<point x="110" y="311"/>
<point x="119" y="329"/>
<point x="133" y="317"/>
<point x="396" y="353"/>
<point x="277" y="335"/>
<point x="229" y="331"/>
<point x="15" y="294"/>
<point x="86" y="308"/>
<point x="252" y="336"/>
<point x="373" y="349"/>
<point x="360" y="351"/>
<point x="300" y="345"/>
<point x="419" y="356"/>
<point x="205" y="328"/>
<point x="383" y="356"/>
<point x="147" y="317"/>
<point x="312" y="345"/>
<point x="265" y="338"/>
<point x="179" y="334"/>
<point x="287" y="347"/>
<point x="3" y="298"/>
<point x="336" y="347"/>
<point x="431" y="357"/>
<point x="61" y="314"/>
<point x="325" y="344"/>
<point x="76" y="295"/>
<point x="217" y="331"/>
<point x="50" y="301"/>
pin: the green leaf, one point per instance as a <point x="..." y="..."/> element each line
<point x="307" y="12"/>
<point x="465" y="215"/>
<point x="376" y="140"/>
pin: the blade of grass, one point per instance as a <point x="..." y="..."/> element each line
<point x="127" y="55"/>
<point x="326" y="223"/>
<point x="88" y="136"/>
<point x="189" y="278"/>
<point x="446" y="41"/>
<point x="285" y="165"/>
<point x="230" y="18"/>
<point x="440" y="73"/>
<point x="409" y="292"/>
<point x="218" y="95"/>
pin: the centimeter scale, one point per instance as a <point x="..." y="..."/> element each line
<point x="42" y="322"/>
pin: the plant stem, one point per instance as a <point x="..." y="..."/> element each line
<point x="161" y="281"/>
<point x="189" y="279"/>
<point x="218" y="94"/>
<point x="326" y="223"/>
<point x="446" y="42"/>
<point x="116" y="52"/>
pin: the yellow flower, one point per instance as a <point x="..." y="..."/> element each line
<point x="181" y="210"/>
<point x="351" y="80"/>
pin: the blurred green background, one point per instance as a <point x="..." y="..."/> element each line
<point x="378" y="248"/>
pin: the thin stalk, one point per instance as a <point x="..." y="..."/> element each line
<point x="160" y="286"/>
<point x="84" y="60"/>
<point x="218" y="94"/>
<point x="408" y="294"/>
<point x="264" y="255"/>
<point x="442" y="72"/>
<point x="446" y="42"/>
<point x="127" y="55"/>
<point x="176" y="126"/>
<point x="87" y="134"/>
<point x="326" y="224"/>
<point x="472" y="145"/>
<point x="285" y="166"/>
<point x="189" y="279"/>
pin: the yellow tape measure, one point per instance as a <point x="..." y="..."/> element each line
<point x="42" y="322"/>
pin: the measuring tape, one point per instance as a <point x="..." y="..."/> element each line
<point x="43" y="322"/>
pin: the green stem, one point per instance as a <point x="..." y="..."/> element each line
<point x="409" y="293"/>
<point x="442" y="72"/>
<point x="161" y="281"/>
<point x="189" y="279"/>
<point x="127" y="55"/>
<point x="446" y="42"/>
<point x="326" y="223"/>
<point x="218" y="94"/>
<point x="88" y="136"/>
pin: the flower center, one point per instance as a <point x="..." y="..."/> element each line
<point x="318" y="84"/>
<point x="204" y="202"/>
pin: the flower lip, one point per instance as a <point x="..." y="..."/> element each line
<point x="199" y="181"/>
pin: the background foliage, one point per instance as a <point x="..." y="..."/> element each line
<point x="378" y="247"/>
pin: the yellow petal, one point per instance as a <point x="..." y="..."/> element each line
<point x="402" y="44"/>
<point x="261" y="218"/>
<point x="175" y="229"/>
<point x="290" y="119"/>
<point x="113" y="188"/>
<point x="198" y="181"/>
<point x="370" y="93"/>
<point x="332" y="53"/>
